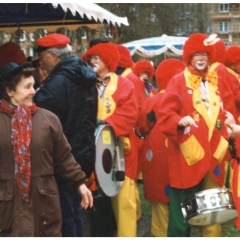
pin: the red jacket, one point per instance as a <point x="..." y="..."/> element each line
<point x="195" y="150"/>
<point x="122" y="116"/>
<point x="155" y="160"/>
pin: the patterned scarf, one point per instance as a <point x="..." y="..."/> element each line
<point x="21" y="134"/>
<point x="148" y="86"/>
<point x="103" y="82"/>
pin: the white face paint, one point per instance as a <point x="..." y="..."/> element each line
<point x="95" y="67"/>
<point x="199" y="61"/>
<point x="201" y="65"/>
<point x="143" y="76"/>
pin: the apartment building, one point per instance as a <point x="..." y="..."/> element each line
<point x="226" y="22"/>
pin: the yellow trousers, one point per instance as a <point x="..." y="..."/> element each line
<point x="124" y="206"/>
<point x="216" y="229"/>
<point x="159" y="225"/>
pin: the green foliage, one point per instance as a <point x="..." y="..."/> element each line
<point x="145" y="204"/>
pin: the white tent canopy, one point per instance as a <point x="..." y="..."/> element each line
<point x="50" y="16"/>
<point x="151" y="47"/>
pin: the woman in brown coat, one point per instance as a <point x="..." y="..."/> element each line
<point x="33" y="150"/>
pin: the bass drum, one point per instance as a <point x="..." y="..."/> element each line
<point x="212" y="206"/>
<point x="110" y="162"/>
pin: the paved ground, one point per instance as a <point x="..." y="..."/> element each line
<point x="144" y="225"/>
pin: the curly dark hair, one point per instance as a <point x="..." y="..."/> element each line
<point x="11" y="82"/>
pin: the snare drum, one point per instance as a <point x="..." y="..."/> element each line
<point x="212" y="206"/>
<point x="110" y="162"/>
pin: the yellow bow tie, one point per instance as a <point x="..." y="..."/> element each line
<point x="211" y="77"/>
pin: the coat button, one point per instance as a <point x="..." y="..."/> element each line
<point x="44" y="223"/>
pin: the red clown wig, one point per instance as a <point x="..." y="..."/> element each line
<point x="232" y="55"/>
<point x="144" y="66"/>
<point x="220" y="52"/>
<point x="194" y="44"/>
<point x="11" y="52"/>
<point x="125" y="57"/>
<point x="106" y="51"/>
<point x="166" y="70"/>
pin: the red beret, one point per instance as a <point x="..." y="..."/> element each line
<point x="232" y="55"/>
<point x="106" y="51"/>
<point x="220" y="52"/>
<point x="195" y="44"/>
<point x="166" y="70"/>
<point x="143" y="66"/>
<point x="54" y="40"/>
<point x="11" y="52"/>
<point x="125" y="57"/>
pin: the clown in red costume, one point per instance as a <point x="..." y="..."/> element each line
<point x="232" y="62"/>
<point x="117" y="106"/>
<point x="124" y="69"/>
<point x="155" y="153"/>
<point x="192" y="114"/>
<point x="221" y="56"/>
<point x="145" y="72"/>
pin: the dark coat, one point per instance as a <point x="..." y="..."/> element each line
<point x="70" y="92"/>
<point x="50" y="153"/>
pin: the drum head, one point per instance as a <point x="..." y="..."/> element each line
<point x="107" y="162"/>
<point x="213" y="217"/>
<point x="212" y="206"/>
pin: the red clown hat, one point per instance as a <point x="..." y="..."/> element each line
<point x="166" y="70"/>
<point x="232" y="55"/>
<point x="106" y="51"/>
<point x="194" y="44"/>
<point x="144" y="66"/>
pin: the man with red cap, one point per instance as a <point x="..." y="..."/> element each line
<point x="155" y="153"/>
<point x="192" y="114"/>
<point x="70" y="92"/>
<point x="117" y="106"/>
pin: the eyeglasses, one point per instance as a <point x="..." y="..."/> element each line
<point x="94" y="58"/>
<point x="41" y="56"/>
<point x="199" y="55"/>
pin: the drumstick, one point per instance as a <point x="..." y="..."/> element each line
<point x="120" y="175"/>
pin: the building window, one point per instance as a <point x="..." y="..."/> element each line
<point x="22" y="36"/>
<point x="223" y="7"/>
<point x="31" y="52"/>
<point x="32" y="37"/>
<point x="24" y="51"/>
<point x="223" y="27"/>
<point x="84" y="35"/>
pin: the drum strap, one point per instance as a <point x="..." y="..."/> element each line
<point x="126" y="72"/>
<point x="106" y="104"/>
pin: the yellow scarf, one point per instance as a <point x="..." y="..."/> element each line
<point x="195" y="80"/>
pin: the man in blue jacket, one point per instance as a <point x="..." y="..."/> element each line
<point x="70" y="92"/>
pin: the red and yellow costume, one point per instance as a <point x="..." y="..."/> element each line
<point x="121" y="115"/>
<point x="155" y="153"/>
<point x="195" y="151"/>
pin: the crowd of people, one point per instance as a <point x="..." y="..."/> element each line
<point x="174" y="137"/>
